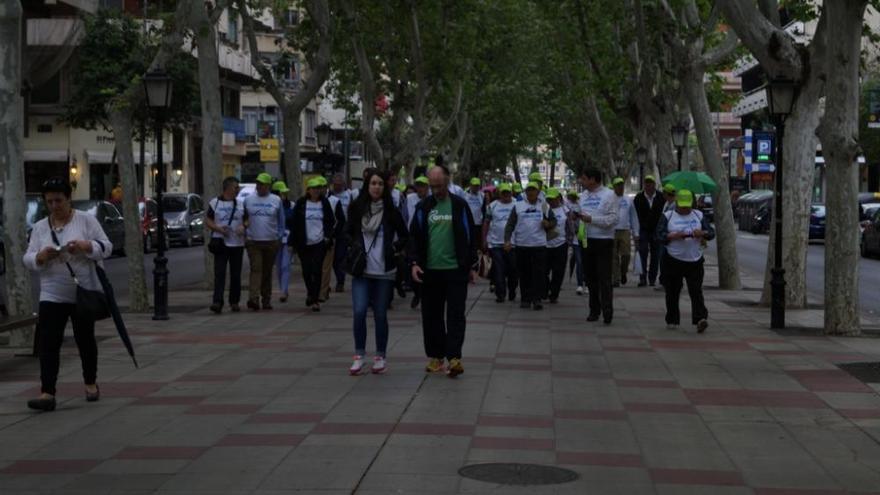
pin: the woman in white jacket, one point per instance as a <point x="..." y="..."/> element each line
<point x="68" y="240"/>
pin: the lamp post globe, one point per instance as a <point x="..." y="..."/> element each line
<point x="679" y="140"/>
<point x="323" y="132"/>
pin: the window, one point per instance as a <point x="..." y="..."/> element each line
<point x="112" y="4"/>
<point x="291" y="17"/>
<point x="309" y="127"/>
<point x="230" y="105"/>
<point x="48" y="93"/>
<point x="232" y="29"/>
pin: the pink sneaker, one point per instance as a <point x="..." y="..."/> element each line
<point x="357" y="366"/>
<point x="379" y="365"/>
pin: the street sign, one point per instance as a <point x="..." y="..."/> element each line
<point x="873" y="108"/>
<point x="269" y="150"/>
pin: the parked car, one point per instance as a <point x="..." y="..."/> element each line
<point x="817" y="221"/>
<point x="185" y="215"/>
<point x="706" y="204"/>
<point x="109" y="217"/>
<point x="761" y="222"/>
<point x="748" y="206"/>
<point x="36" y="210"/>
<point x="870" y="240"/>
<point x="149" y="214"/>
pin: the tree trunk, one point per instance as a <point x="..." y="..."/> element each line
<point x="728" y="267"/>
<point x="839" y="132"/>
<point x="212" y="122"/>
<point x="291" y="126"/>
<point x="121" y="122"/>
<point x="18" y="279"/>
<point x="662" y="136"/>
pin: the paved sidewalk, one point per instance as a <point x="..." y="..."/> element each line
<point x="262" y="404"/>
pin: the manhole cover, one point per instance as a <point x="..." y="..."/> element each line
<point x="866" y="372"/>
<point x="505" y="473"/>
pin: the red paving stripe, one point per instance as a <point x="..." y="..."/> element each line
<point x="604" y="336"/>
<point x="170" y="400"/>
<point x="702" y="345"/>
<point x="195" y="377"/>
<point x="326" y="348"/>
<point x="623" y="348"/>
<point x="160" y="453"/>
<point x="53" y="466"/>
<point x="598" y="414"/>
<point x="696" y="477"/>
<point x="646" y="383"/>
<point x="516" y="421"/>
<point x="508" y="443"/>
<point x="599" y="459"/>
<point x="522" y="355"/>
<point x="212" y="409"/>
<point x="577" y="352"/>
<point x="521" y="367"/>
<point x="764" y="340"/>
<point x="438" y="429"/>
<point x="279" y="371"/>
<point x="860" y="413"/>
<point x="286" y="418"/>
<point x="353" y="429"/>
<point x="659" y="407"/>
<point x="785" y="352"/>
<point x="829" y="381"/>
<point x="260" y="440"/>
<point x="591" y="375"/>
<point x="755" y="398"/>
<point x="126" y="390"/>
<point x="805" y="491"/>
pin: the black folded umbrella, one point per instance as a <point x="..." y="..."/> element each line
<point x="115" y="313"/>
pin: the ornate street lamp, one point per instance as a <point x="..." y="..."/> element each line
<point x="781" y="94"/>
<point x="323" y="133"/>
<point x="641" y="158"/>
<point x="679" y="140"/>
<point x="158" y="88"/>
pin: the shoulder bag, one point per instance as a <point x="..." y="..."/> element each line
<point x="90" y="304"/>
<point x="356" y="258"/>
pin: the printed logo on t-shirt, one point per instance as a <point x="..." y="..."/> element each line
<point x="436" y="217"/>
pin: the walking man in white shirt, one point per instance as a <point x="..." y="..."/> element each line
<point x="265" y="229"/>
<point x="599" y="211"/>
<point x="474" y="198"/>
<point x="503" y="260"/>
<point x="626" y="231"/>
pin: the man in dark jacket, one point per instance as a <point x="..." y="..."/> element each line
<point x="649" y="207"/>
<point x="443" y="254"/>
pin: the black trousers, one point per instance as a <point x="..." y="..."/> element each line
<point x="597" y="258"/>
<point x="691" y="272"/>
<point x="53" y="320"/>
<point x="444" y="294"/>
<point x="231" y="256"/>
<point x="532" y="265"/>
<point x="312" y="259"/>
<point x="649" y="245"/>
<point x="556" y="258"/>
<point x="504" y="272"/>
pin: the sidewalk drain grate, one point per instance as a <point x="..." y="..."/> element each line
<point x="506" y="473"/>
<point x="866" y="372"/>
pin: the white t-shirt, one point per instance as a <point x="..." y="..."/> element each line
<point x="475" y="203"/>
<point x="497" y="215"/>
<point x="222" y="210"/>
<point x="602" y="205"/>
<point x="412" y="200"/>
<point x="56" y="284"/>
<point x="345" y="197"/>
<point x="627" y="218"/>
<point x="265" y="217"/>
<point x="690" y="248"/>
<point x="314" y="222"/>
<point x="376" y="255"/>
<point x="529" y="232"/>
<point x="560" y="213"/>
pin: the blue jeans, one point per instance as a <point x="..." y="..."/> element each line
<point x="282" y="261"/>
<point x="578" y="260"/>
<point x="370" y="293"/>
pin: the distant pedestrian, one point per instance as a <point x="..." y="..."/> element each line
<point x="528" y="224"/>
<point x="649" y="207"/>
<point x="444" y="258"/>
<point x="557" y="245"/>
<point x="116" y="194"/>
<point x="572" y="227"/>
<point x="625" y="232"/>
<point x="474" y="198"/>
<point x="264" y="222"/>
<point x="518" y="192"/>
<point x="284" y="257"/>
<point x="225" y="220"/>
<point x="339" y="216"/>
<point x="340" y="249"/>
<point x="503" y="260"/>
<point x="376" y="228"/>
<point x="311" y="235"/>
<point x="63" y="249"/>
<point x="599" y="211"/>
<point x="684" y="230"/>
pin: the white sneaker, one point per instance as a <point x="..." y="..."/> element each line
<point x="379" y="365"/>
<point x="357" y="366"/>
<point x="580" y="290"/>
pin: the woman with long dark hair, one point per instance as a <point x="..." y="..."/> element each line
<point x="376" y="228"/>
<point x="64" y="249"/>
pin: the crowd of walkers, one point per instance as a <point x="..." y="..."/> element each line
<point x="430" y="239"/>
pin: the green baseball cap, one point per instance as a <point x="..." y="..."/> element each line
<point x="533" y="185"/>
<point x="617" y="181"/>
<point x="650" y="178"/>
<point x="517" y="187"/>
<point x="535" y="177"/>
<point x="422" y="180"/>
<point x="280" y="186"/>
<point x="571" y="193"/>
<point x="505" y="188"/>
<point x="684" y="198"/>
<point x="400" y="187"/>
<point x="322" y="181"/>
<point x="314" y="182"/>
<point x="669" y="188"/>
<point x="264" y="178"/>
<point x="553" y="193"/>
<point x="476" y="181"/>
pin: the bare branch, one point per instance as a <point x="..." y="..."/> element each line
<point x="722" y="51"/>
<point x="773" y="47"/>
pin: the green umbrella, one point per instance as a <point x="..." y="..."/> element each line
<point x="695" y="182"/>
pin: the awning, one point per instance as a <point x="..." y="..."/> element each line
<point x="107" y="157"/>
<point x="45" y="156"/>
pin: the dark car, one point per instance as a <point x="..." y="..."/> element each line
<point x="817" y="221"/>
<point x="36" y="211"/>
<point x="761" y="221"/>
<point x="870" y="243"/>
<point x="110" y="219"/>
<point x="185" y="217"/>
<point x="706" y="205"/>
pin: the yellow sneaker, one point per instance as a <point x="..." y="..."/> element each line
<point x="455" y="368"/>
<point x="434" y="365"/>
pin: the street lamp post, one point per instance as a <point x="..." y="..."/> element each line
<point x="780" y="100"/>
<point x="323" y="133"/>
<point x="679" y="139"/>
<point x="158" y="89"/>
<point x="641" y="158"/>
